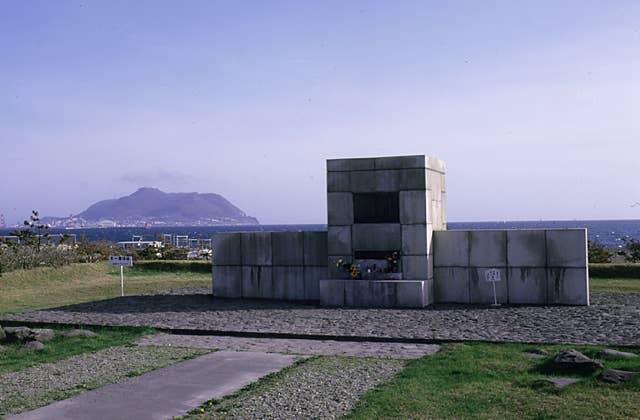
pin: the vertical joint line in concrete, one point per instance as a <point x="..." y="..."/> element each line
<point x="468" y="238"/>
<point x="506" y="260"/>
<point x="546" y="265"/>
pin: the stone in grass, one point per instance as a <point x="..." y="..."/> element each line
<point x="20" y="334"/>
<point x="559" y="382"/>
<point x="616" y="353"/>
<point x="535" y="353"/>
<point x="43" y="334"/>
<point x="33" y="345"/>
<point x="573" y="361"/>
<point x="615" y="376"/>
<point x="79" y="333"/>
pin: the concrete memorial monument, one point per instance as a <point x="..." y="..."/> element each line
<point x="387" y="245"/>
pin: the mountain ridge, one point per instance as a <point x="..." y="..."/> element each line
<point x="151" y="206"/>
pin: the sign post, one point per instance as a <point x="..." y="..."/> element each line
<point x="492" y="276"/>
<point x="121" y="261"/>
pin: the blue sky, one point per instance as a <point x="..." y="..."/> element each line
<point x="534" y="106"/>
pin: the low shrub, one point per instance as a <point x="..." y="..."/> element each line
<point x="25" y="257"/>
<point x="611" y="271"/>
<point x="174" y="266"/>
<point x="598" y="253"/>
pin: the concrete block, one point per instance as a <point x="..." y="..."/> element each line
<point x="528" y="285"/>
<point x="568" y="286"/>
<point x="340" y="208"/>
<point x="400" y="162"/>
<point x="481" y="291"/>
<point x="411" y="294"/>
<point x="451" y="284"/>
<point x="315" y="248"/>
<point x="388" y="180"/>
<point x="416" y="267"/>
<point x="339" y="240"/>
<point x="443" y="212"/>
<point x="567" y="248"/>
<point x="332" y="292"/>
<point x="435" y="164"/>
<point x="429" y="292"/>
<point x="430" y="240"/>
<point x="434" y="183"/>
<point x="383" y="294"/>
<point x="256" y="248"/>
<point x="358" y="164"/>
<point x="312" y="277"/>
<point x="488" y="248"/>
<point x="377" y="236"/>
<point x="338" y="181"/>
<point x="335" y="271"/>
<point x="227" y="248"/>
<point x="256" y="282"/>
<point x="526" y="248"/>
<point x="368" y="293"/>
<point x="451" y="248"/>
<point x="227" y="281"/>
<point x="436" y="215"/>
<point x="265" y="280"/>
<point x="288" y="283"/>
<point x="288" y="248"/>
<point x="363" y="181"/>
<point x="415" y="239"/>
<point x="413" y="207"/>
<point x="413" y="179"/>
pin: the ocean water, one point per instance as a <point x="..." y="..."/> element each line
<point x="605" y="232"/>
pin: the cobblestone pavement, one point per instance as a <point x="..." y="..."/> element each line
<point x="294" y="346"/>
<point x="612" y="319"/>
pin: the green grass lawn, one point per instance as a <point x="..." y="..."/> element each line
<point x="12" y="358"/>
<point x="47" y="287"/>
<point x="614" y="285"/>
<point x="498" y="381"/>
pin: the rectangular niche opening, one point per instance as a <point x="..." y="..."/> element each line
<point x="378" y="265"/>
<point x="376" y="207"/>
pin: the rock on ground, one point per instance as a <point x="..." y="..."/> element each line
<point x="616" y="376"/>
<point x="616" y="353"/>
<point x="560" y="382"/>
<point x="79" y="333"/>
<point x="43" y="334"/>
<point x="26" y="334"/>
<point x="33" y="345"/>
<point x="573" y="361"/>
<point x="2" y="334"/>
<point x="20" y="334"/>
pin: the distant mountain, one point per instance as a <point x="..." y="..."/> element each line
<point x="154" y="207"/>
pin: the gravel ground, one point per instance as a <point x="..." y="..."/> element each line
<point x="612" y="319"/>
<point x="324" y="388"/>
<point x="294" y="346"/>
<point x="43" y="384"/>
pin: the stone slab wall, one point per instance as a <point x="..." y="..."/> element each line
<point x="419" y="181"/>
<point x="269" y="265"/>
<point x="539" y="266"/>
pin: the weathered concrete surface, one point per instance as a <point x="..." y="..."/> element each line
<point x="168" y="392"/>
<point x="537" y="266"/>
<point x="294" y="346"/>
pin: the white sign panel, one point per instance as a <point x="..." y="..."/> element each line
<point x="492" y="275"/>
<point x="120" y="261"/>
